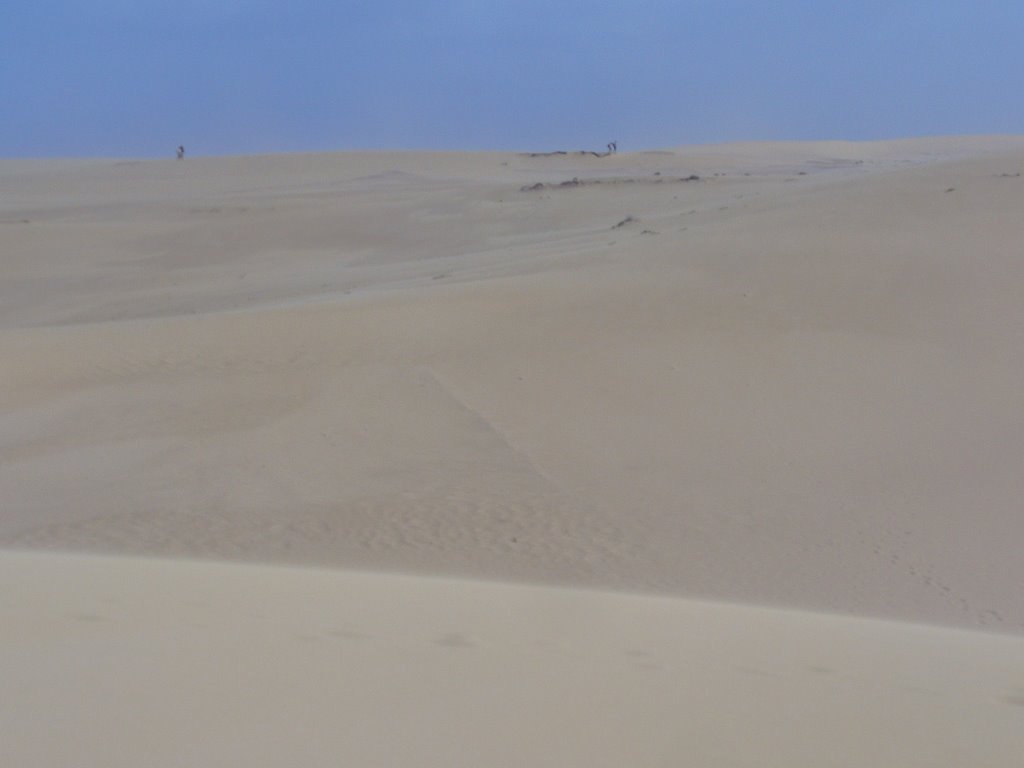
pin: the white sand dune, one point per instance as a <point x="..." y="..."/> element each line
<point x="794" y="382"/>
<point x="120" y="663"/>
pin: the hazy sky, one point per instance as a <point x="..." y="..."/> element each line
<point x="139" y="77"/>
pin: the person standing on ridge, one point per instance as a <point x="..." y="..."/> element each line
<point x="181" y="152"/>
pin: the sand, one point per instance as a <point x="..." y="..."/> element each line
<point x="788" y="388"/>
<point x="142" y="662"/>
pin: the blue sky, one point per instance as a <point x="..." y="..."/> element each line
<point x="138" y="77"/>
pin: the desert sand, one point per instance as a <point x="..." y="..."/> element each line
<point x="168" y="663"/>
<point x="712" y="454"/>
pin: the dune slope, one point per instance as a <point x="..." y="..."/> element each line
<point x="791" y="381"/>
<point x="121" y="662"/>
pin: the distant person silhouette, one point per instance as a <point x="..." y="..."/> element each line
<point x="181" y="153"/>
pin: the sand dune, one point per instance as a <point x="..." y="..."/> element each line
<point x="769" y="376"/>
<point x="793" y="382"/>
<point x="121" y="662"/>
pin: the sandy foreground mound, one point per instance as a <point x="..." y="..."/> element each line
<point x="120" y="663"/>
<point x="794" y="380"/>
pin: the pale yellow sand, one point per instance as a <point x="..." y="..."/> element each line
<point x="794" y="382"/>
<point x="121" y="663"/>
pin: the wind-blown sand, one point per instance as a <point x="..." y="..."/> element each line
<point x="793" y="382"/>
<point x="170" y="664"/>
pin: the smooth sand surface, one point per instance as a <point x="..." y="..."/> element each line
<point x="121" y="663"/>
<point x="795" y="381"/>
<point x="780" y="375"/>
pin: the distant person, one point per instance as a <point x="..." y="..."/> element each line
<point x="615" y="146"/>
<point x="181" y="153"/>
